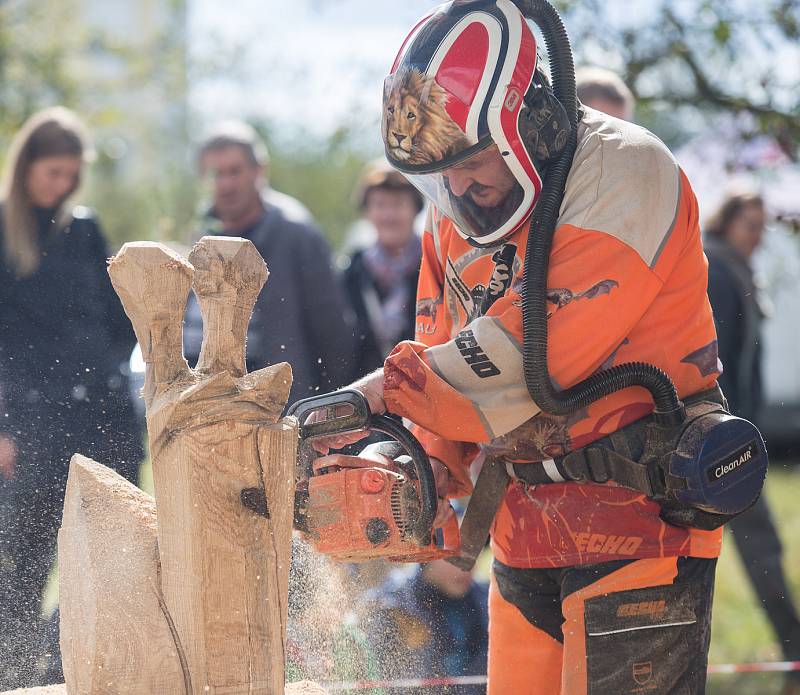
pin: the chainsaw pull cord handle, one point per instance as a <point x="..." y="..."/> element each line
<point x="362" y="419"/>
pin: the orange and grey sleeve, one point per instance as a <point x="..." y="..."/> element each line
<point x="430" y="381"/>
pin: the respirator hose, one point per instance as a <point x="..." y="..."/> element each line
<point x="537" y="257"/>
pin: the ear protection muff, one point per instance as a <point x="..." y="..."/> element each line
<point x="543" y="123"/>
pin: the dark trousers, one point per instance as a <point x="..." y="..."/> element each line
<point x="614" y="628"/>
<point x="760" y="549"/>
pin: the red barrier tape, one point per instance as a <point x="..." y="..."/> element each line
<point x="714" y="669"/>
<point x="762" y="667"/>
<point x="406" y="683"/>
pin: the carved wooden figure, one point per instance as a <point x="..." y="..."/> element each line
<point x="214" y="431"/>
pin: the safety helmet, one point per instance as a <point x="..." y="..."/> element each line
<point x="469" y="118"/>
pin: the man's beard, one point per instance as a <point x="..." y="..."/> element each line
<point x="485" y="220"/>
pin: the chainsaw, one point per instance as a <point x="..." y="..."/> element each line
<point x="364" y="510"/>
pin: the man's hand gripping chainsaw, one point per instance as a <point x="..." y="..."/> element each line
<point x="363" y="510"/>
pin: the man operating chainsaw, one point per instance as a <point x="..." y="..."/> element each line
<point x="561" y="245"/>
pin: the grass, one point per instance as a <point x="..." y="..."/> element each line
<point x="740" y="631"/>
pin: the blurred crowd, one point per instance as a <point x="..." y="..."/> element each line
<point x="66" y="385"/>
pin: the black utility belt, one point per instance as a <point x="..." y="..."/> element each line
<point x="703" y="470"/>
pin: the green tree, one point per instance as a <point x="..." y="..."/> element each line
<point x="129" y="83"/>
<point x="38" y="40"/>
<point x="321" y="172"/>
<point x="690" y="61"/>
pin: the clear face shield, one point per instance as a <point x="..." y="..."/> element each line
<point x="479" y="194"/>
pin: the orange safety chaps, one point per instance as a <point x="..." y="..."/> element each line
<point x="637" y="627"/>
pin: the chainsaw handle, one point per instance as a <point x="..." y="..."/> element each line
<point x="361" y="419"/>
<point x="333" y="423"/>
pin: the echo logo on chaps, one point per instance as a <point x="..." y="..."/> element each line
<point x="654" y="609"/>
<point x="607" y="545"/>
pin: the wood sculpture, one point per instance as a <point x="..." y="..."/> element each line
<point x="210" y="577"/>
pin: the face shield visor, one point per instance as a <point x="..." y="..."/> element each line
<point x="479" y="194"/>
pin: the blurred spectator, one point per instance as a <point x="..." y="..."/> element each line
<point x="603" y="90"/>
<point x="732" y="234"/>
<point x="381" y="280"/>
<point x="300" y="316"/>
<point x="432" y="625"/>
<point x="63" y="339"/>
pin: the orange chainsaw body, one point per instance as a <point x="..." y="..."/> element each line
<point x="364" y="509"/>
<point x="364" y="512"/>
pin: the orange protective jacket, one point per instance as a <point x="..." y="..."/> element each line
<point x="626" y="282"/>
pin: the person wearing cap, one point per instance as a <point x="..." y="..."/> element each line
<point x="381" y="280"/>
<point x="592" y="590"/>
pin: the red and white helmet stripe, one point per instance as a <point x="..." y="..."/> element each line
<point x="475" y="60"/>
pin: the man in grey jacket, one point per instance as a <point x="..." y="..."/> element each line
<point x="300" y="316"/>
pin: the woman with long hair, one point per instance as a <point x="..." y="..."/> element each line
<point x="64" y="339"/>
<point x="732" y="234"/>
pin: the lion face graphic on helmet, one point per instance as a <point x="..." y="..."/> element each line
<point x="417" y="128"/>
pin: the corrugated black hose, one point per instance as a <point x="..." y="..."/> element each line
<point x="537" y="256"/>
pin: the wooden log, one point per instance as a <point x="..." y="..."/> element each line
<point x="213" y="433"/>
<point x="115" y="636"/>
